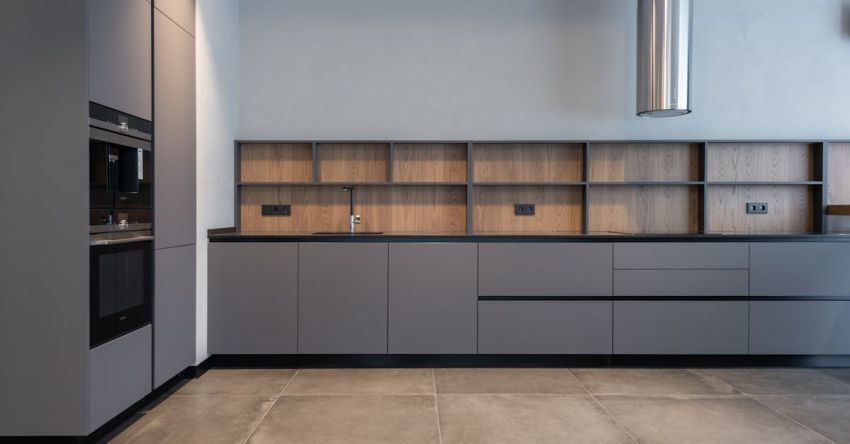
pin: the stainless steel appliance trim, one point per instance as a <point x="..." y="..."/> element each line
<point x="115" y="128"/>
<point x="114" y="228"/>
<point x="121" y="240"/>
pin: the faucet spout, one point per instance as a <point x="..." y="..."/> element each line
<point x="353" y="219"/>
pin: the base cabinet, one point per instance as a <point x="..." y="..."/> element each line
<point x="253" y="298"/>
<point x="680" y="327"/>
<point x="544" y="327"/>
<point x="119" y="375"/>
<point x="342" y="298"/>
<point x="174" y="312"/>
<point x="800" y="327"/>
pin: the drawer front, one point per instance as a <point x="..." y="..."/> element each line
<point x="544" y="327"/>
<point x="119" y="375"/>
<point x="800" y="327"/>
<point x="694" y="255"/>
<point x="680" y="327"/>
<point x="529" y="269"/>
<point x="800" y="269"/>
<point x="681" y="282"/>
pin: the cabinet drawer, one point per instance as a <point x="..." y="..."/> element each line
<point x="800" y="327"/>
<point x="663" y="255"/>
<point x="681" y="282"/>
<point x="680" y="327"/>
<point x="119" y="375"/>
<point x="800" y="269"/>
<point x="544" y="327"/>
<point x="529" y="269"/>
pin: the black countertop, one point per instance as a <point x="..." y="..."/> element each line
<point x="231" y="235"/>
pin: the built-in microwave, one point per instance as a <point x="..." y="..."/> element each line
<point x="119" y="171"/>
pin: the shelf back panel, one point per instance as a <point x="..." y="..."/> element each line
<point x="528" y="162"/>
<point x="619" y="162"/>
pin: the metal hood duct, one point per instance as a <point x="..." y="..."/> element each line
<point x="664" y="58"/>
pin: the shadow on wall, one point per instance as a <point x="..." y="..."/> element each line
<point x="845" y="19"/>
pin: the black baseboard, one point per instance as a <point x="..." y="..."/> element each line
<point x="414" y="361"/>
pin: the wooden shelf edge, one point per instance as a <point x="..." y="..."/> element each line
<point x="838" y="210"/>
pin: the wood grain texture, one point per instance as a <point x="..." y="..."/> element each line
<point x="419" y="209"/>
<point x="278" y="162"/>
<point x="644" y="162"/>
<point x="557" y="208"/>
<point x="760" y="162"/>
<point x="429" y="162"/>
<point x="527" y="162"/>
<point x="838" y="210"/>
<point x="644" y="209"/>
<point x="353" y="162"/>
<point x="789" y="208"/>
<point x="838" y="188"/>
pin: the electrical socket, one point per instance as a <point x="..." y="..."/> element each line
<point x="524" y="209"/>
<point x="756" y="208"/>
<point x="277" y="210"/>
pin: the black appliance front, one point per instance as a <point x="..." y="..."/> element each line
<point x="121" y="289"/>
<point x="119" y="175"/>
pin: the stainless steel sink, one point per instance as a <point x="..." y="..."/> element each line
<point x="348" y="233"/>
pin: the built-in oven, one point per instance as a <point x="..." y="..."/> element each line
<point x="120" y="224"/>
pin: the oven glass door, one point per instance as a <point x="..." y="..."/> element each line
<point x="120" y="289"/>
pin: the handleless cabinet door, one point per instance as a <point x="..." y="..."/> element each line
<point x="800" y="327"/>
<point x="174" y="312"/>
<point x="174" y="134"/>
<point x="120" y="55"/>
<point x="181" y="11"/>
<point x="800" y="269"/>
<point x="342" y="298"/>
<point x="119" y="375"/>
<point x="253" y="298"/>
<point x="432" y="298"/>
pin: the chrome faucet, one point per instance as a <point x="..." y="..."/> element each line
<point x="353" y="219"/>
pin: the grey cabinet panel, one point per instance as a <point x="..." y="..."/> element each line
<point x="529" y="269"/>
<point x="800" y="269"/>
<point x="544" y="327"/>
<point x="342" y="300"/>
<point x="680" y="327"/>
<point x="681" y="282"/>
<point x="181" y="11"/>
<point x="174" y="131"/>
<point x="120" y="55"/>
<point x="800" y="327"/>
<point x="253" y="298"/>
<point x="433" y="301"/>
<point x="670" y="255"/>
<point x="119" y="375"/>
<point x="174" y="312"/>
<point x="44" y="265"/>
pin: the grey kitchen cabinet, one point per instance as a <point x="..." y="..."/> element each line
<point x="119" y="375"/>
<point x="800" y="269"/>
<point x="342" y="298"/>
<point x="681" y="255"/>
<point x="544" y="327"/>
<point x="800" y="327"/>
<point x="680" y="327"/>
<point x="181" y="12"/>
<point x="433" y="300"/>
<point x="174" y="312"/>
<point x="174" y="134"/>
<point x="253" y="298"/>
<point x="550" y="269"/>
<point x="681" y="282"/>
<point x="119" y="55"/>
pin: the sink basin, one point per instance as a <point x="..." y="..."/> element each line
<point x="350" y="234"/>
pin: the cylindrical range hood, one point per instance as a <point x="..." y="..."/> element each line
<point x="664" y="58"/>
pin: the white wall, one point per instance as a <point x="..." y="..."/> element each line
<point x="217" y="65"/>
<point x="533" y="69"/>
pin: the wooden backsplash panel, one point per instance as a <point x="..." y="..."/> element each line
<point x="353" y="162"/>
<point x="839" y="184"/>
<point x="760" y="162"/>
<point x="644" y="162"/>
<point x="644" y="209"/>
<point x="557" y="208"/>
<point x="429" y="162"/>
<point x="276" y="162"/>
<point x="789" y="209"/>
<point x="527" y="162"/>
<point x="423" y="209"/>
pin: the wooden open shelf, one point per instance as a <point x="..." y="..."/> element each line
<point x="631" y="187"/>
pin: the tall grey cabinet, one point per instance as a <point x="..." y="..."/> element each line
<point x="174" y="188"/>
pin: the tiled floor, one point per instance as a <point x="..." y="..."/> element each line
<point x="769" y="405"/>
